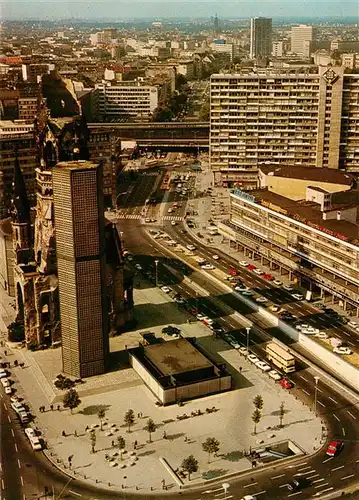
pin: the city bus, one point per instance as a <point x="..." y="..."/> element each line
<point x="280" y="357"/>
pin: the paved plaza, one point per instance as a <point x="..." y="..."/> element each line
<point x="115" y="392"/>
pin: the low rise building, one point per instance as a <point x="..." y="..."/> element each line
<point x="314" y="240"/>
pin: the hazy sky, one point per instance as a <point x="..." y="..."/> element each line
<point x="119" y="10"/>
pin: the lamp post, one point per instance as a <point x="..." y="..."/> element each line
<point x="156" y="272"/>
<point x="248" y="329"/>
<point x="119" y="194"/>
<point x="225" y="487"/>
<point x="316" y="394"/>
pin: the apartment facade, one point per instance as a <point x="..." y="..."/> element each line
<point x="316" y="245"/>
<point x="308" y="116"/>
<point x="125" y="99"/>
<point x="81" y="264"/>
<point x="260" y="37"/>
<point x="301" y="40"/>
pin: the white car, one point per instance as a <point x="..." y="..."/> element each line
<point x="208" y="267"/>
<point x="200" y="317"/>
<point x="342" y="350"/>
<point x="173" y="223"/>
<point x="191" y="247"/>
<point x="166" y="289"/>
<point x="147" y="220"/>
<point x="138" y="267"/>
<point x="275" y="308"/>
<point x="234" y="344"/>
<point x="288" y="288"/>
<point x="5" y="382"/>
<point x="243" y="350"/>
<point x="253" y="358"/>
<point x="243" y="263"/>
<point x="248" y="293"/>
<point x="258" y="271"/>
<point x="207" y="320"/>
<point x="261" y="299"/>
<point x="353" y="324"/>
<point x="297" y="296"/>
<point x="8" y="390"/>
<point x="310" y="330"/>
<point x="249" y="497"/>
<point x="169" y="210"/>
<point x="3" y="373"/>
<point x="263" y="366"/>
<point x="275" y="375"/>
<point x="277" y="282"/>
<point x="34" y="440"/>
<point x="241" y="288"/>
<point x="215" y="257"/>
<point x="302" y="326"/>
<point x="321" y="335"/>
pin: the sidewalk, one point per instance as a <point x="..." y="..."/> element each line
<point x="117" y="391"/>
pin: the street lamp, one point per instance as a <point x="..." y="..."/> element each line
<point x="119" y="194"/>
<point x="156" y="272"/>
<point x="316" y="394"/>
<point x="248" y="332"/>
<point x="225" y="487"/>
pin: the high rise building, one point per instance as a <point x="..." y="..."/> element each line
<point x="81" y="264"/>
<point x="301" y="40"/>
<point x="261" y="37"/>
<point x="306" y="116"/>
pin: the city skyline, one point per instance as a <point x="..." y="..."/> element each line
<point x="53" y="10"/>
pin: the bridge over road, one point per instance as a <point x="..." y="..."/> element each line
<point x="167" y="135"/>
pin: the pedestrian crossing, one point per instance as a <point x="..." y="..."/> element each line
<point x="171" y="218"/>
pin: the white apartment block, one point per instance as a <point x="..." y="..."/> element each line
<point x="301" y="40"/>
<point x="125" y="99"/>
<point x="308" y="116"/>
<point x="277" y="49"/>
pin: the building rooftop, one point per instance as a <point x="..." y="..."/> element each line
<point x="329" y="175"/>
<point x="176" y="356"/>
<point x="76" y="165"/>
<point x="306" y="212"/>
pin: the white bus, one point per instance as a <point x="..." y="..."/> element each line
<point x="280" y="357"/>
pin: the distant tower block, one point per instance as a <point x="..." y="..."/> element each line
<point x="80" y="246"/>
<point x="216" y="25"/>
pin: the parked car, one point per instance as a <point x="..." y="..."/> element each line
<point x="171" y="330"/>
<point x="268" y="277"/>
<point x="3" y="373"/>
<point x="321" y="335"/>
<point x="241" y="288"/>
<point x="248" y="293"/>
<point x="251" y="267"/>
<point x="166" y="289"/>
<point x="288" y="288"/>
<point x="261" y="300"/>
<point x="278" y="282"/>
<point x="286" y="383"/>
<point x="342" y="350"/>
<point x="191" y="248"/>
<point x="8" y="390"/>
<point x="253" y="358"/>
<point x="258" y="271"/>
<point x="208" y="267"/>
<point x="215" y="257"/>
<point x="263" y="366"/>
<point x="5" y="382"/>
<point x="334" y="448"/>
<point x="297" y="296"/>
<point x="243" y="350"/>
<point x="275" y="375"/>
<point x="243" y="263"/>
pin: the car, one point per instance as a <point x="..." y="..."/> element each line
<point x="234" y="344"/>
<point x="241" y="288"/>
<point x="277" y="282"/>
<point x="191" y="247"/>
<point x="353" y="324"/>
<point x="286" y="383"/>
<point x="334" y="448"/>
<point x="215" y="257"/>
<point x="263" y="366"/>
<point x="249" y="497"/>
<point x="8" y="390"/>
<point x="171" y="330"/>
<point x="173" y="223"/>
<point x="261" y="299"/>
<point x="298" y="483"/>
<point x="258" y="271"/>
<point x="138" y="267"/>
<point x="243" y="350"/>
<point x="288" y="288"/>
<point x="207" y="267"/>
<point x="243" y="263"/>
<point x="251" y="267"/>
<point x="297" y="296"/>
<point x="321" y="335"/>
<point x="253" y="358"/>
<point x="208" y="321"/>
<point x="153" y="220"/>
<point x="5" y="382"/>
<point x="17" y="407"/>
<point x="302" y="326"/>
<point x="275" y="375"/>
<point x="14" y="399"/>
<point x="169" y="211"/>
<point x="310" y="330"/>
<point x="3" y="373"/>
<point x="34" y="440"/>
<point x="147" y="219"/>
<point x="247" y="293"/>
<point x="268" y="277"/>
<point x="166" y="289"/>
<point x="275" y="308"/>
<point x="200" y="317"/>
<point x="342" y="350"/>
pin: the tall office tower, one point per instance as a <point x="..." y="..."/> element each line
<point x="307" y="116"/>
<point x="216" y="25"/>
<point x="81" y="263"/>
<point x="301" y="40"/>
<point x="261" y="37"/>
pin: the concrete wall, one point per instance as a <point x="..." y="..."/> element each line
<point x="150" y="381"/>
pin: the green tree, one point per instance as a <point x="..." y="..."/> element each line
<point x="101" y="415"/>
<point x="258" y="402"/>
<point x="204" y="112"/>
<point x="71" y="399"/>
<point x="190" y="465"/>
<point x="121" y="443"/>
<point x="129" y="419"/>
<point x="256" y="417"/>
<point x="93" y="439"/>
<point x="211" y="446"/>
<point x="150" y="427"/>
<point x="281" y="413"/>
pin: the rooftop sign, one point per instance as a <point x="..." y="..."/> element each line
<point x="243" y="195"/>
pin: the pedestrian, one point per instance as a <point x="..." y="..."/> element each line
<point x="5" y="352"/>
<point x="164" y="435"/>
<point x="87" y="428"/>
<point x="63" y="433"/>
<point x="112" y="443"/>
<point x="138" y="415"/>
<point x="51" y="407"/>
<point x="185" y="439"/>
<point x="75" y="433"/>
<point x="135" y="444"/>
<point x="240" y="369"/>
<point x="43" y="409"/>
<point x="40" y="408"/>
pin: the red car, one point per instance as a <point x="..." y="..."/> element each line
<point x="251" y="267"/>
<point x="268" y="277"/>
<point x="334" y="448"/>
<point x="233" y="272"/>
<point x="286" y="383"/>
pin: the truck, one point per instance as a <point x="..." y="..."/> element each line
<point x="280" y="357"/>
